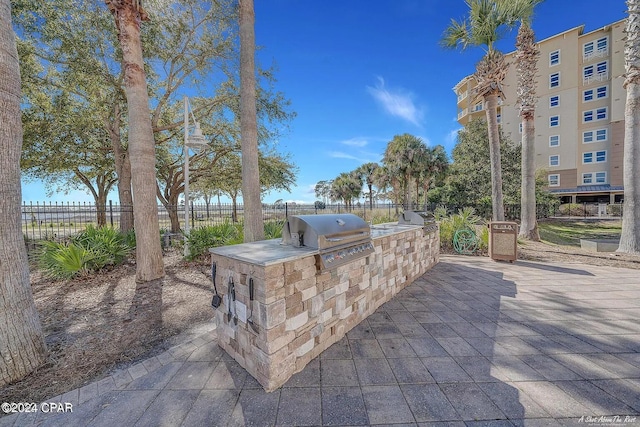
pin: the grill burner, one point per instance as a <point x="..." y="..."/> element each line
<point x="339" y="238"/>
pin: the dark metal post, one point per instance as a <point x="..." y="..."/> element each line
<point x="111" y="211"/>
<point x="193" y="219"/>
<point x="286" y="210"/>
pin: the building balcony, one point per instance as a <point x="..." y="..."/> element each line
<point x="462" y="113"/>
<point x="591" y="78"/>
<point x="596" y="54"/>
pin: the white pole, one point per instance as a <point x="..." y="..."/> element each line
<point x="186" y="175"/>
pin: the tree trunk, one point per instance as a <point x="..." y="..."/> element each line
<point x="149" y="263"/>
<point x="123" y="172"/>
<point x="234" y="209"/>
<point x="22" y="347"/>
<point x="497" y="204"/>
<point x="253" y="220"/>
<point x="172" y="210"/>
<point x="526" y="66"/>
<point x="630" y="237"/>
<point x="528" y="221"/>
<point x="101" y="205"/>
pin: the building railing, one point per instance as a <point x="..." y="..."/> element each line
<point x="599" y="53"/>
<point x="597" y="77"/>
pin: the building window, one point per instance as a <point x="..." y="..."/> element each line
<point x="477" y="107"/>
<point x="520" y="127"/>
<point x="554" y="121"/>
<point x="554" y="80"/>
<point x="554" y="58"/>
<point x="601" y="44"/>
<point x="554" y="180"/>
<point x="554" y="101"/>
<point x="597" y="114"/>
<point x="596" y="72"/>
<point x="587" y="72"/>
<point x="600" y="156"/>
<point x="597" y="48"/>
<point x="587" y="95"/>
<point x="587" y="137"/>
<point x="554" y="160"/>
<point x="587" y="116"/>
<point x="554" y="140"/>
<point x="601" y="92"/>
<point x="587" y="178"/>
<point x="499" y="118"/>
<point x="601" y="177"/>
<point x="601" y="135"/>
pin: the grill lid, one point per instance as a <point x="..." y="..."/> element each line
<point x="415" y="218"/>
<point x="325" y="231"/>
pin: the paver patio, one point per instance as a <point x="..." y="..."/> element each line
<point x="473" y="342"/>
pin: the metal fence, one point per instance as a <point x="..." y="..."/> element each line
<point x="58" y="221"/>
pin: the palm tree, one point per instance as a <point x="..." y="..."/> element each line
<point x="346" y="187"/>
<point x="403" y="157"/>
<point x="21" y="340"/>
<point x="128" y="16"/>
<point x="434" y="163"/>
<point x="367" y="172"/>
<point x="630" y="237"/>
<point x="253" y="220"/>
<point x="482" y="28"/>
<point x="526" y="66"/>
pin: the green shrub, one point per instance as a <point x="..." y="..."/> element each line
<point x="273" y="229"/>
<point x="202" y="238"/>
<point x="64" y="261"/>
<point x="91" y="250"/>
<point x="109" y="245"/>
<point x="466" y="218"/>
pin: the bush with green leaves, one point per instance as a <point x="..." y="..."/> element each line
<point x="273" y="229"/>
<point x="466" y="218"/>
<point x="89" y="251"/>
<point x="200" y="239"/>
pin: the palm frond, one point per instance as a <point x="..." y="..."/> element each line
<point x="457" y="34"/>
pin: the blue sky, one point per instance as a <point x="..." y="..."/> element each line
<point x="359" y="72"/>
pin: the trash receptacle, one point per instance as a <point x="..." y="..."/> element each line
<point x="503" y="240"/>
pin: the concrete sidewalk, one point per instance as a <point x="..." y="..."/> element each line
<point x="473" y="342"/>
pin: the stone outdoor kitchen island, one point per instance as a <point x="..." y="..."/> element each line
<point x="299" y="310"/>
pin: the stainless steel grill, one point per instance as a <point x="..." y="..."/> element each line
<point x="339" y="238"/>
<point x="424" y="219"/>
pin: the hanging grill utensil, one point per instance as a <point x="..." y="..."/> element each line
<point x="231" y="299"/>
<point x="217" y="299"/>
<point x="251" y="296"/>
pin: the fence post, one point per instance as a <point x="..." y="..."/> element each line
<point x="111" y="212"/>
<point x="193" y="219"/>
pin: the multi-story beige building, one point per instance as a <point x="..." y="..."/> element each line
<point x="579" y="124"/>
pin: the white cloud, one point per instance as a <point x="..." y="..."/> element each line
<point x="452" y="136"/>
<point x="341" y="155"/>
<point x="355" y="142"/>
<point x="396" y="102"/>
